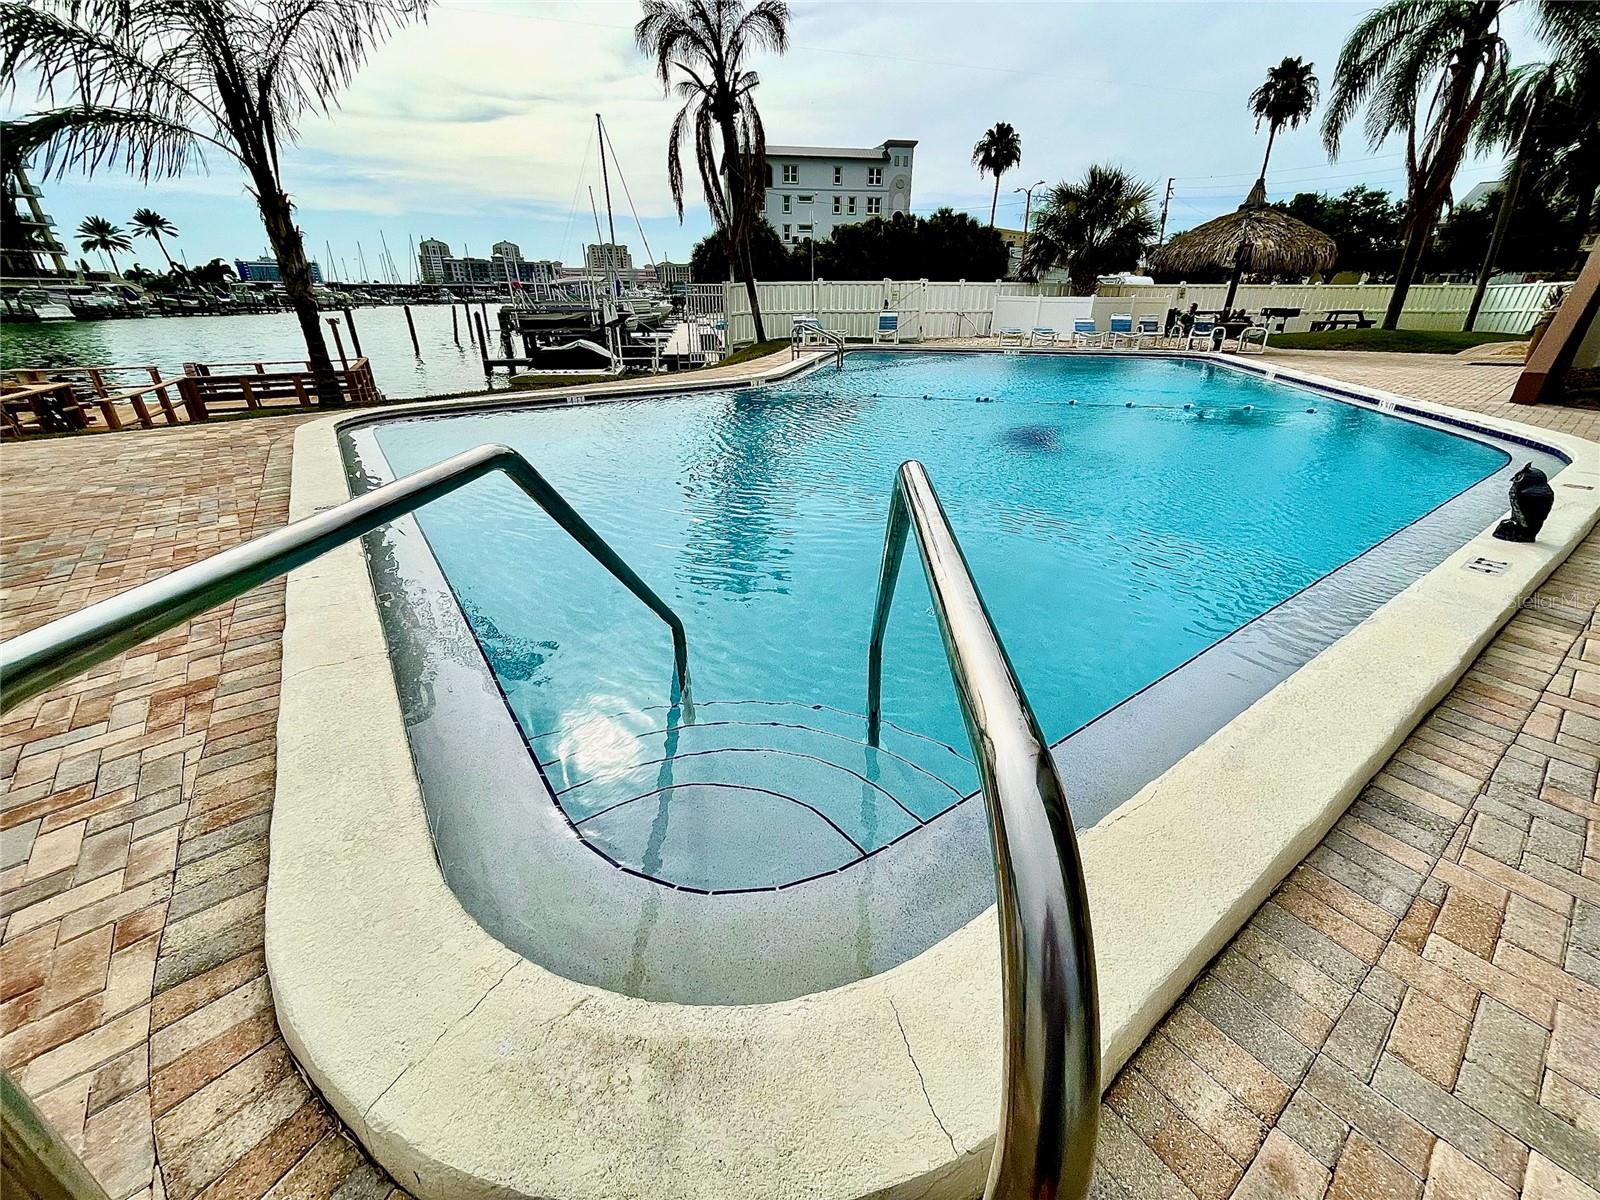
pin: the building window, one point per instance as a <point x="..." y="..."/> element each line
<point x="787" y="201"/>
<point x="874" y="176"/>
<point x="852" y="206"/>
<point x="874" y="206"/>
<point x="838" y="176"/>
<point x="807" y="199"/>
<point x="836" y="202"/>
<point x="787" y="236"/>
<point x="804" y="231"/>
<point x="791" y="173"/>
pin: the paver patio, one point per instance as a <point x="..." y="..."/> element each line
<point x="1414" y="1013"/>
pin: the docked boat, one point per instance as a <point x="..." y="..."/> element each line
<point x="37" y="304"/>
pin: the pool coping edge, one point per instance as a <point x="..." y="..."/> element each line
<point x="901" y="1090"/>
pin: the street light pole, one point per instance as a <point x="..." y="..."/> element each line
<point x="1027" y="213"/>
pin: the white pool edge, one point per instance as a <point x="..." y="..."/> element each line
<point x="468" y="1071"/>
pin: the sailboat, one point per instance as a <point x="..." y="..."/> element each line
<point x="593" y="322"/>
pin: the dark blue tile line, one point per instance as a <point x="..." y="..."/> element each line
<point x="1367" y="400"/>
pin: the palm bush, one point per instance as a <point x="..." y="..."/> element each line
<point x="705" y="44"/>
<point x="997" y="151"/>
<point x="1100" y="223"/>
<point x="154" y="87"/>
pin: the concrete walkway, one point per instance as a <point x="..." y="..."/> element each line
<point x="1415" y="1011"/>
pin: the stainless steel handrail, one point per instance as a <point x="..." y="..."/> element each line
<point x="1050" y="1084"/>
<point x="42" y="657"/>
<point x="827" y="336"/>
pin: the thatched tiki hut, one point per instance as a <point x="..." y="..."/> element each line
<point x="1251" y="238"/>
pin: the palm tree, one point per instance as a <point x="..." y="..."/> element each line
<point x="215" y="274"/>
<point x="153" y="87"/>
<point x="1548" y="116"/>
<point x="1285" y="100"/>
<point x="1425" y="68"/>
<point x="705" y="42"/>
<point x="997" y="151"/>
<point x="97" y="233"/>
<point x="1097" y="224"/>
<point x="151" y="224"/>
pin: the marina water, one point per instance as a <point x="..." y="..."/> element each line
<point x="169" y="342"/>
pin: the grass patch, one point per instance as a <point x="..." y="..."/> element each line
<point x="1396" y="341"/>
<point x="758" y="350"/>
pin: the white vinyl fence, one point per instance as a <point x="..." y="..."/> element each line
<point x="927" y="310"/>
<point x="964" y="310"/>
<point x="1507" y="307"/>
<point x="1027" y="313"/>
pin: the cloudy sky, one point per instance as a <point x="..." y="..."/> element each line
<point x="479" y="125"/>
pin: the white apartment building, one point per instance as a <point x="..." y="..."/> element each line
<point x="812" y="190"/>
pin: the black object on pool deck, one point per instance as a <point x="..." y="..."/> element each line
<point x="1532" y="498"/>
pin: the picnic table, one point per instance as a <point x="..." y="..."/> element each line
<point x="1343" y="318"/>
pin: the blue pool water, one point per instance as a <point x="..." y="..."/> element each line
<point x="1111" y="543"/>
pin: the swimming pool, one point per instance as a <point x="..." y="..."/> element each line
<point x="1122" y="515"/>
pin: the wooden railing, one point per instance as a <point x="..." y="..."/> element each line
<point x="206" y="393"/>
<point x="68" y="399"/>
<point x="62" y="397"/>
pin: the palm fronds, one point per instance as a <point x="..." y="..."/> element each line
<point x="998" y="150"/>
<point x="1098" y="223"/>
<point x="152" y="86"/>
<point x="1288" y="95"/>
<point x="704" y="43"/>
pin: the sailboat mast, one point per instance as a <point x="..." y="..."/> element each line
<point x="605" y="180"/>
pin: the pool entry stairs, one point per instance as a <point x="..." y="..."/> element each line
<point x="776" y="766"/>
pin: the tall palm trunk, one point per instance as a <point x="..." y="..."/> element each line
<point x="1417" y="229"/>
<point x="162" y="246"/>
<point x="994" y="203"/>
<point x="738" y="218"/>
<point x="278" y="216"/>
<point x="1272" y="134"/>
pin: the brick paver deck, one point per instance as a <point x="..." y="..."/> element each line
<point x="1415" y="1012"/>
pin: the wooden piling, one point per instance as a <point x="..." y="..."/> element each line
<point x="412" y="327"/>
<point x="350" y="323"/>
<point x="483" y="345"/>
<point x="455" y="327"/>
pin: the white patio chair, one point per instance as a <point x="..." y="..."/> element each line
<point x="1084" y="334"/>
<point x="1204" y="332"/>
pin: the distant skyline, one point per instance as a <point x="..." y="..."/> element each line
<point x="479" y="126"/>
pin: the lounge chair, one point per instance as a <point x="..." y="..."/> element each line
<point x="1147" y="332"/>
<point x="1043" y="335"/>
<point x="1011" y="335"/>
<point x="1085" y="334"/>
<point x="1203" y="331"/>
<point x="1121" y="329"/>
<point x="1256" y="333"/>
